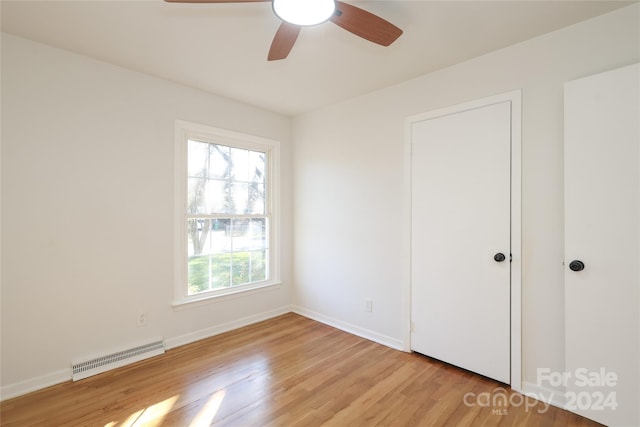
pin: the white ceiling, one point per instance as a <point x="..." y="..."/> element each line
<point x="222" y="48"/>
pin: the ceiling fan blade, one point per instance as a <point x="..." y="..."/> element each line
<point x="283" y="41"/>
<point x="365" y="24"/>
<point x="215" y="1"/>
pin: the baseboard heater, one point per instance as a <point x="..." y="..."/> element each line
<point x="97" y="365"/>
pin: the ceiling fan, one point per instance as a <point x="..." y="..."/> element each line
<point x="296" y="14"/>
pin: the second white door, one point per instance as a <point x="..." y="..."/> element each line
<point x="460" y="238"/>
<point x="602" y="244"/>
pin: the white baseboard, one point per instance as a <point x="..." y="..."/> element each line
<point x="38" y="383"/>
<point x="33" y="384"/>
<point x="348" y="327"/>
<point x="547" y="395"/>
<point x="225" y="327"/>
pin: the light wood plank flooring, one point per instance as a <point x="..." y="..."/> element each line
<point x="286" y="371"/>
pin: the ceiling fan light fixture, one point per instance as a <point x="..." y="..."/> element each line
<point x="304" y="12"/>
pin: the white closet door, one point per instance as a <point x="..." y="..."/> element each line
<point x="460" y="185"/>
<point x="602" y="217"/>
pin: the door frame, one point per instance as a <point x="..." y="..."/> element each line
<point x="515" y="99"/>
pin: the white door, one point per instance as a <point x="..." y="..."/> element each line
<point x="602" y="215"/>
<point x="460" y="238"/>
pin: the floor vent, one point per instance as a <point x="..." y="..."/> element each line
<point x="100" y="364"/>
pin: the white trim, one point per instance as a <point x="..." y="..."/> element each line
<point x="64" y="375"/>
<point x="185" y="130"/>
<point x="232" y="294"/>
<point x="350" y="328"/>
<point x="34" y="384"/>
<point x="515" y="99"/>
<point x="406" y="244"/>
<point x="516" y="239"/>
<point x="209" y="332"/>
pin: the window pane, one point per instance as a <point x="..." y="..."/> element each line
<point x="255" y="204"/>
<point x="197" y="158"/>
<point x="258" y="234"/>
<point x="239" y="198"/>
<point x="208" y="236"/>
<point x="258" y="265"/>
<point x="221" y="238"/>
<point x="217" y="197"/>
<point x="209" y="258"/>
<point x="236" y="183"/>
<point x="220" y="162"/>
<point x="221" y="271"/>
<point x="249" y="234"/>
<point x="198" y="274"/>
<point x="226" y="252"/>
<point x="240" y="227"/>
<point x="197" y="201"/>
<point x="256" y="166"/>
<point x="198" y="231"/>
<point x="239" y="164"/>
<point x="239" y="268"/>
<point x="209" y="196"/>
<point x="204" y="264"/>
<point x="209" y="272"/>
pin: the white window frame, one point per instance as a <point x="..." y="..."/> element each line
<point x="184" y="131"/>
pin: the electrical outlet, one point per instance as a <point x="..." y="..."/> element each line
<point x="368" y="305"/>
<point x="142" y="319"/>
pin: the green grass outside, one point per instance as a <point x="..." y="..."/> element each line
<point x="207" y="272"/>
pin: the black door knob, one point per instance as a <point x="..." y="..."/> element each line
<point x="499" y="257"/>
<point x="576" y="265"/>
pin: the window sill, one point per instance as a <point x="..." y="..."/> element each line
<point x="231" y="294"/>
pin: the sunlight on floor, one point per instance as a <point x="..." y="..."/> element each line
<point x="153" y="413"/>
<point x="132" y="418"/>
<point x="156" y="412"/>
<point x="209" y="410"/>
<point x="198" y="406"/>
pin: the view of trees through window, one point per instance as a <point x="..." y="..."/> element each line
<point x="227" y="222"/>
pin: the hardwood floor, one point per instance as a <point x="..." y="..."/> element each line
<point x="286" y="371"/>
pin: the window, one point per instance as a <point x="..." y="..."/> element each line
<point x="226" y="193"/>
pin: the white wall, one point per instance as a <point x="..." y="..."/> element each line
<point x="348" y="192"/>
<point x="87" y="210"/>
<point x="87" y="190"/>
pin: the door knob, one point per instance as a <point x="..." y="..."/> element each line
<point x="499" y="257"/>
<point x="576" y="265"/>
